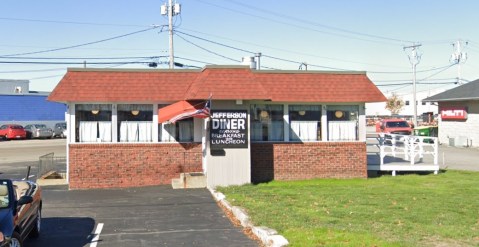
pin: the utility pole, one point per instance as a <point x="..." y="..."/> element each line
<point x="414" y="59"/>
<point x="458" y="57"/>
<point x="171" y="10"/>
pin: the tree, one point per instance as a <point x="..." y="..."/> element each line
<point x="394" y="104"/>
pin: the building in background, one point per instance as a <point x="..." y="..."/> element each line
<point x="22" y="106"/>
<point x="458" y="115"/>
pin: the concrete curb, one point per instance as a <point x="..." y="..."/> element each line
<point x="50" y="182"/>
<point x="268" y="236"/>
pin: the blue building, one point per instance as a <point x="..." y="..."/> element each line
<point x="21" y="106"/>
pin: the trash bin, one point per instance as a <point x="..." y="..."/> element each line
<point x="422" y="131"/>
<point x="426" y="131"/>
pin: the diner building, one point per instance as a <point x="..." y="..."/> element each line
<point x="234" y="124"/>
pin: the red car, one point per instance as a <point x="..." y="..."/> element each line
<point x="394" y="126"/>
<point x="12" y="131"/>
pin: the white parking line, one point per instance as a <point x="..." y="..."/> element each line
<point x="31" y="176"/>
<point x="95" y="239"/>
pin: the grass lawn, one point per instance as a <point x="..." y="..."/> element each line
<point x="406" y="210"/>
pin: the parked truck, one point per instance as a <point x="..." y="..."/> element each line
<point x="394" y="126"/>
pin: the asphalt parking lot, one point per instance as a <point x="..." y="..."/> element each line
<point x="147" y="216"/>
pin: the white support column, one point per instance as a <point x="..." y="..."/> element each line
<point x="70" y="119"/>
<point x="362" y="123"/>
<point x="114" y="122"/>
<point x="286" y="122"/>
<point x="155" y="123"/>
<point x="71" y="126"/>
<point x="324" y="123"/>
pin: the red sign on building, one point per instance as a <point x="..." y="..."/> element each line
<point x="454" y="113"/>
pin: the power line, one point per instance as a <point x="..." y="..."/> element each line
<point x="243" y="50"/>
<point x="319" y="24"/>
<point x="51" y="63"/>
<point x="214" y="42"/>
<point x="193" y="60"/>
<point x="296" y="62"/>
<point x="31" y="71"/>
<point x="444" y="69"/>
<point x="71" y="22"/>
<point x="251" y="52"/>
<point x="409" y="72"/>
<point x="422" y="83"/>
<point x="81" y="58"/>
<point x="293" y="25"/>
<point x="46" y="77"/>
<point x="92" y="48"/>
<point x="312" y="65"/>
<point x="212" y="52"/>
<point x="80" y="45"/>
<point x="406" y="80"/>
<point x="284" y="50"/>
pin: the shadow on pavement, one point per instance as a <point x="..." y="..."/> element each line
<point x="64" y="232"/>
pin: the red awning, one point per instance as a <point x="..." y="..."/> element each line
<point x="181" y="110"/>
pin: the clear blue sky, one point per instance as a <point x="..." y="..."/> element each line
<point x="340" y="34"/>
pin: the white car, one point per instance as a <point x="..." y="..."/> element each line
<point x="38" y="131"/>
<point x="60" y="130"/>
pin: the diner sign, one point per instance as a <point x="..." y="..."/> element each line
<point x="229" y="129"/>
<point x="453" y="113"/>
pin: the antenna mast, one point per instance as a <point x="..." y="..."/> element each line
<point x="458" y="57"/>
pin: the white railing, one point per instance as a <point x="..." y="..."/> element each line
<point x="409" y="148"/>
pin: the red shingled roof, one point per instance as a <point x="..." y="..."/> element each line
<point x="223" y="82"/>
<point x="320" y="87"/>
<point x="227" y="83"/>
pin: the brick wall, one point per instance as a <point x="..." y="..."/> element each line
<point x="296" y="161"/>
<point x="130" y="165"/>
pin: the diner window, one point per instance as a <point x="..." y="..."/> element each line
<point x="267" y="123"/>
<point x="343" y="122"/>
<point x="181" y="131"/>
<point x="305" y="122"/>
<point x="93" y="123"/>
<point x="135" y="123"/>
